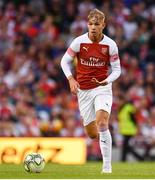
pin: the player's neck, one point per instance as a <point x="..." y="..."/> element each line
<point x="96" y="39"/>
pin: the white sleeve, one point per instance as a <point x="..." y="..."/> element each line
<point x="115" y="71"/>
<point x="65" y="64"/>
<point x="68" y="57"/>
<point x="115" y="64"/>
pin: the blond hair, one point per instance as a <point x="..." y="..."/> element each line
<point x="95" y="13"/>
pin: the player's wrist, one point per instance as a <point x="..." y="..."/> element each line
<point x="70" y="78"/>
<point x="104" y="82"/>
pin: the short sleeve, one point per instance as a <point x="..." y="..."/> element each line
<point x="132" y="109"/>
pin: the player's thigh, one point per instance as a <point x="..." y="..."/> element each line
<point x="103" y="104"/>
<point x="91" y="130"/>
<point x="86" y="107"/>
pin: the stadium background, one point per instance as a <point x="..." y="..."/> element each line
<point x="34" y="95"/>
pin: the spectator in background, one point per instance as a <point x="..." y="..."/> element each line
<point x="128" y="127"/>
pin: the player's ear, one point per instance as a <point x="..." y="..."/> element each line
<point x="87" y="25"/>
<point x="104" y="25"/>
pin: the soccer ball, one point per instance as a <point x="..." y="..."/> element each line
<point x="34" y="162"/>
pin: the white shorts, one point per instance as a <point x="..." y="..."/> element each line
<point x="90" y="101"/>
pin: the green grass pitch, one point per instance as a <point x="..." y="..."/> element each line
<point x="91" y="170"/>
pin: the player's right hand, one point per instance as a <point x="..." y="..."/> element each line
<point x="74" y="85"/>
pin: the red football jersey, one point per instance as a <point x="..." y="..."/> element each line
<point x="93" y="59"/>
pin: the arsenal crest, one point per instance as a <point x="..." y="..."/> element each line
<point x="104" y="50"/>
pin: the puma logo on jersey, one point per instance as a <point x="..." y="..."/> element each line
<point x="85" y="48"/>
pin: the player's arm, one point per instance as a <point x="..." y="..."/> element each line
<point x="65" y="65"/>
<point x="115" y="69"/>
<point x="115" y="64"/>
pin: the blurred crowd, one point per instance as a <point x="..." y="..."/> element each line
<point x="34" y="95"/>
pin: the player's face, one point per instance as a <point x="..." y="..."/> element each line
<point x="95" y="27"/>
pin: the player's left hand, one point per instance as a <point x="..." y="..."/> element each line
<point x="99" y="83"/>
